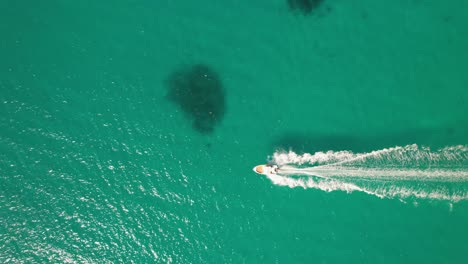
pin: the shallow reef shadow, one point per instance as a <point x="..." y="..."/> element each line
<point x="199" y="92"/>
<point x="305" y="7"/>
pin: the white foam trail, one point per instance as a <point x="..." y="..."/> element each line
<point x="328" y="186"/>
<point x="382" y="191"/>
<point x="409" y="155"/>
<point x="399" y="172"/>
<point x="389" y="174"/>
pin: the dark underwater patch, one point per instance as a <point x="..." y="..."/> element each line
<point x="199" y="92"/>
<point x="304" y="6"/>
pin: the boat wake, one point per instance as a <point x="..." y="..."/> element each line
<point x="405" y="173"/>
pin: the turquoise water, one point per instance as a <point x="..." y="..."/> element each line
<point x="97" y="165"/>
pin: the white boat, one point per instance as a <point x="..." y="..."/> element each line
<point x="266" y="169"/>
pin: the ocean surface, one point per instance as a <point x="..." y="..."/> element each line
<point x="129" y="130"/>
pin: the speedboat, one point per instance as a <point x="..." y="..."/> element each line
<point x="266" y="169"/>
